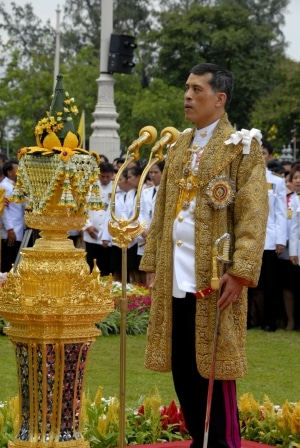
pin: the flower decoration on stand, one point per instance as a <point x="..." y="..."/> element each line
<point x="58" y="171"/>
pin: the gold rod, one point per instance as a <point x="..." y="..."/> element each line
<point x="123" y="309"/>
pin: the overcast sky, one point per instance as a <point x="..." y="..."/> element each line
<point x="46" y="10"/>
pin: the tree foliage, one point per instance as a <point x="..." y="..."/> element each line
<point x="243" y="35"/>
<point x="227" y="34"/>
<point x="277" y="113"/>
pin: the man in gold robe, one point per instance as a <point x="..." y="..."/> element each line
<point x="213" y="184"/>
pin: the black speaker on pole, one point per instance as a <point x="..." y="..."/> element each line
<point x="121" y="53"/>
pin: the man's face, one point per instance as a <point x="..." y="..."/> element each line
<point x="267" y="157"/>
<point x="12" y="174"/>
<point x="105" y="178"/>
<point x="296" y="182"/>
<point x="133" y="180"/>
<point x="122" y="183"/>
<point x="155" y="175"/>
<point x="202" y="105"/>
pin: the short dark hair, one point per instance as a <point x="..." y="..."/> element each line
<point x="221" y="80"/>
<point x="135" y="170"/>
<point x="285" y="162"/>
<point x="8" y="166"/>
<point x="106" y="167"/>
<point x="295" y="169"/>
<point x="295" y="162"/>
<point x="267" y="145"/>
<point x="160" y="165"/>
<point x="104" y="157"/>
<point x="276" y="167"/>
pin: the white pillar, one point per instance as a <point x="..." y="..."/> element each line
<point x="57" y="46"/>
<point x="105" y="138"/>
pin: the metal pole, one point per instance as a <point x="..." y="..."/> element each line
<point x="57" y="46"/>
<point x="123" y="309"/>
<point x="123" y="231"/>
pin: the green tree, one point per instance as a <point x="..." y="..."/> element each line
<point x="27" y="50"/>
<point x="160" y="105"/>
<point x="242" y="35"/>
<point x="227" y="34"/>
<point x="280" y="107"/>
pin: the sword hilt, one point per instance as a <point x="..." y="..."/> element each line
<point x="223" y="258"/>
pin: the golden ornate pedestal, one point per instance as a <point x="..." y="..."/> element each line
<point x="53" y="301"/>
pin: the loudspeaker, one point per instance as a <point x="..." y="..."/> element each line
<point x="121" y="53"/>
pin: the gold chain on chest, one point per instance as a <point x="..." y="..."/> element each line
<point x="188" y="183"/>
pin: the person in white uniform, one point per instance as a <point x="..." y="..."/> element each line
<point x="12" y="219"/>
<point x="92" y="231"/>
<point x="265" y="295"/>
<point x="294" y="243"/>
<point x="120" y="211"/>
<point x="147" y="206"/>
<point x="289" y="272"/>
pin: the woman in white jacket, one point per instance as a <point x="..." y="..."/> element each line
<point x="293" y="313"/>
<point x="294" y="244"/>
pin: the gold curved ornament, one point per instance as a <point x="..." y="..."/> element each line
<point x="123" y="231"/>
<point x="220" y="192"/>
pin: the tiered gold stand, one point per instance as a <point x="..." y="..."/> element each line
<point x="52" y="303"/>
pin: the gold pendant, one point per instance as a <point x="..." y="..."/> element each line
<point x="204" y="133"/>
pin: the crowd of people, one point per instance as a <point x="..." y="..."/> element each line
<point x="94" y="237"/>
<point x="272" y="303"/>
<point x="275" y="301"/>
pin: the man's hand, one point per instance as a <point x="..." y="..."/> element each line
<point x="150" y="278"/>
<point x="145" y="234"/>
<point x="232" y="288"/>
<point x="294" y="260"/>
<point x="279" y="249"/>
<point x="92" y="231"/>
<point x="11" y="237"/>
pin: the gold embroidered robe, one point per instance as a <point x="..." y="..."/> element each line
<point x="245" y="220"/>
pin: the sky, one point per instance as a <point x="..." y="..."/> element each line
<point x="46" y="10"/>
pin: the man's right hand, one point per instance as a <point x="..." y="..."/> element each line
<point x="92" y="231"/>
<point x="11" y="237"/>
<point x="150" y="278"/>
<point x="294" y="260"/>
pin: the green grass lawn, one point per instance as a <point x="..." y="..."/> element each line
<point x="273" y="361"/>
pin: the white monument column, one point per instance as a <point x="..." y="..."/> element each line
<point x="105" y="138"/>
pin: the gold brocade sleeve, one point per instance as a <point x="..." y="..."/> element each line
<point x="251" y="202"/>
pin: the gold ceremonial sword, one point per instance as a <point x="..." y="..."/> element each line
<point x="224" y="243"/>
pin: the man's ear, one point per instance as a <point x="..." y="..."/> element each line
<point x="221" y="99"/>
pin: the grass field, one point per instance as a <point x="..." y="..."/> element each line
<point x="273" y="361"/>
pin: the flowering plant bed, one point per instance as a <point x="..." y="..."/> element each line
<point x="138" y="309"/>
<point x="152" y="423"/>
<point x="269" y="424"/>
